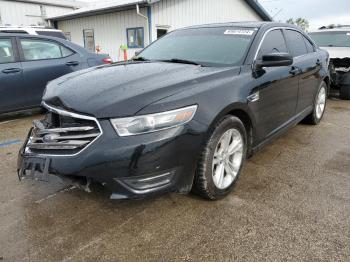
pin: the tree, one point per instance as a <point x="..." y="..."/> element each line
<point x="301" y="22"/>
<point x="290" y="21"/>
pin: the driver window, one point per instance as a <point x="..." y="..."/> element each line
<point x="273" y="43"/>
<point x="6" y="52"/>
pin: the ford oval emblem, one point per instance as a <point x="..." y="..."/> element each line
<point x="50" y="138"/>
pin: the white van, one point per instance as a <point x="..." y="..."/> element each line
<point x="33" y="30"/>
<point x="337" y="42"/>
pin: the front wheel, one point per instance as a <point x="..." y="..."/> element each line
<point x="222" y="159"/>
<point x="319" y="106"/>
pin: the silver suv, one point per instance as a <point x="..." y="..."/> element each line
<point x="33" y="30"/>
<point x="337" y="42"/>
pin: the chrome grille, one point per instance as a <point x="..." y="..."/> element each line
<point x="62" y="132"/>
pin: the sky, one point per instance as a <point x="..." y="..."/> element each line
<point x="317" y="12"/>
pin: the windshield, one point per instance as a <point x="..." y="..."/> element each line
<point x="220" y="46"/>
<point x="336" y="39"/>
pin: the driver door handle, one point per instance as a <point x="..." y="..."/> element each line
<point x="11" y="70"/>
<point x="72" y="63"/>
<point x="295" y="70"/>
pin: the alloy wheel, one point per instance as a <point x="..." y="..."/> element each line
<point x="227" y="159"/>
<point x="321" y="102"/>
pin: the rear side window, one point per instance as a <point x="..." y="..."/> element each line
<point x="6" y="51"/>
<point x="310" y="47"/>
<point x="296" y="43"/>
<point x="273" y="43"/>
<point x="66" y="51"/>
<point x="34" y="49"/>
<point x="51" y="33"/>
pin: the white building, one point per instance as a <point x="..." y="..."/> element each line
<point x="136" y="23"/>
<point x="33" y="12"/>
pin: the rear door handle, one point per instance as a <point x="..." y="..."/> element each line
<point x="72" y="63"/>
<point x="11" y="70"/>
<point x="295" y="70"/>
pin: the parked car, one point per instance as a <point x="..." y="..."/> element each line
<point x="28" y="63"/>
<point x="183" y="115"/>
<point x="33" y="30"/>
<point x="337" y="42"/>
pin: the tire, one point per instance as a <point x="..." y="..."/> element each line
<point x="220" y="184"/>
<point x="319" y="107"/>
<point x="345" y="92"/>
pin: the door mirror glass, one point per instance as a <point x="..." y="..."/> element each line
<point x="275" y="60"/>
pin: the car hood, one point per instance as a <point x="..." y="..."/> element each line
<point x="337" y="52"/>
<point x="120" y="90"/>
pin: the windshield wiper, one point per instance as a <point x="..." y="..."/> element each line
<point x="140" y="58"/>
<point x="182" y="61"/>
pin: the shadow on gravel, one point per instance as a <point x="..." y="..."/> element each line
<point x="20" y="114"/>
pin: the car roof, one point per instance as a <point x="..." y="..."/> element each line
<point x="29" y="35"/>
<point x="44" y="37"/>
<point x="248" y="24"/>
<point x="36" y="28"/>
<point x="342" y="29"/>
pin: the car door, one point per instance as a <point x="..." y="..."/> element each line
<point x="275" y="96"/>
<point x="11" y="78"/>
<point x="307" y="63"/>
<point x="44" y="60"/>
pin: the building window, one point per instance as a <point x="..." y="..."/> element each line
<point x="68" y="36"/>
<point x="161" y="32"/>
<point x="135" y="37"/>
<point x="89" y="39"/>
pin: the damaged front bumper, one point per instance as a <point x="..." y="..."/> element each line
<point x="340" y="72"/>
<point x="130" y="167"/>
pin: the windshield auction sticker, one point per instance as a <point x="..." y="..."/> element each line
<point x="239" y="32"/>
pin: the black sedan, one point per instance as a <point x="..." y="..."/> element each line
<point x="183" y="115"/>
<point x="29" y="62"/>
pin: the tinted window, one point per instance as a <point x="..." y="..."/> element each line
<point x="336" y="38"/>
<point x="273" y="43"/>
<point x="310" y="48"/>
<point x="51" y="33"/>
<point x="221" y="46"/>
<point x="6" y="51"/>
<point x="66" y="51"/>
<point x="296" y="43"/>
<point x="39" y="49"/>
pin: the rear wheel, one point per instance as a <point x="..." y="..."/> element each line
<point x="222" y="159"/>
<point x="319" y="106"/>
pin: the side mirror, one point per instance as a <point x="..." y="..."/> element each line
<point x="137" y="53"/>
<point x="274" y="60"/>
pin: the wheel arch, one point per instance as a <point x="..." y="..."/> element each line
<point x="242" y="112"/>
<point x="327" y="80"/>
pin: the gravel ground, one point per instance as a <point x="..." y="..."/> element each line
<point x="292" y="203"/>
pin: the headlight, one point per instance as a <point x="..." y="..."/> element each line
<point x="154" y="122"/>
